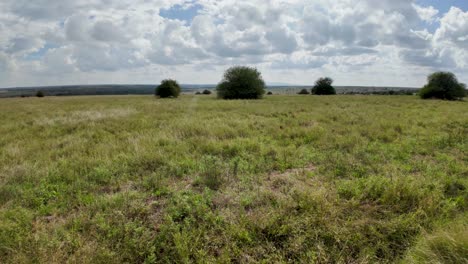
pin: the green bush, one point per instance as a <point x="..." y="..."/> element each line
<point x="303" y="91"/>
<point x="40" y="94"/>
<point x="168" y="88"/>
<point x="241" y="83"/>
<point x="206" y="92"/>
<point x="270" y="93"/>
<point x="443" y="85"/>
<point x="323" y="86"/>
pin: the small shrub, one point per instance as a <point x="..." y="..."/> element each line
<point x="241" y="83"/>
<point x="303" y="91"/>
<point x="40" y="94"/>
<point x="453" y="189"/>
<point x="270" y="93"/>
<point x="198" y="93"/>
<point x="212" y="173"/>
<point x="443" y="85"/>
<point x="206" y="92"/>
<point x="323" y="86"/>
<point x="168" y="88"/>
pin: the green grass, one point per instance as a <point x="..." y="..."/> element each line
<point x="341" y="179"/>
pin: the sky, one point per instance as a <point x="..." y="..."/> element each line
<point x="356" y="42"/>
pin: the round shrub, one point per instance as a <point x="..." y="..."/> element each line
<point x="443" y="85"/>
<point x="270" y="93"/>
<point x="303" y="91"/>
<point x="323" y="86"/>
<point x="241" y="82"/>
<point x="40" y="94"/>
<point x="198" y="93"/>
<point x="206" y="92"/>
<point x="168" y="88"/>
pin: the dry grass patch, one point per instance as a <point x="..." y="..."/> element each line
<point x="76" y="117"/>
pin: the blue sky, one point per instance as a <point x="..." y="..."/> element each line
<point x="444" y="5"/>
<point x="180" y="12"/>
<point x="366" y="42"/>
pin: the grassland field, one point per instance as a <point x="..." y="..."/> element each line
<point x="309" y="179"/>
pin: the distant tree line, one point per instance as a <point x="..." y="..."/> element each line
<point x="386" y="92"/>
<point x="242" y="82"/>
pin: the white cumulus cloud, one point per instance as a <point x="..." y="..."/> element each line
<point x="293" y="41"/>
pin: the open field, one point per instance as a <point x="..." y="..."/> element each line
<point x="350" y="179"/>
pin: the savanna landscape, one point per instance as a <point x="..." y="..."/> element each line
<point x="234" y="131"/>
<point x="311" y="179"/>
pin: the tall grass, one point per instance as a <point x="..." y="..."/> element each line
<point x="447" y="244"/>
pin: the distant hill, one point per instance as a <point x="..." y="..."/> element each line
<point x="112" y="89"/>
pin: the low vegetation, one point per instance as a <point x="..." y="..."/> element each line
<point x="286" y="179"/>
<point x="385" y="92"/>
<point x="443" y="85"/>
<point x="241" y="82"/>
<point x="447" y="244"/>
<point x="303" y="91"/>
<point x="40" y="94"/>
<point x="168" y="88"/>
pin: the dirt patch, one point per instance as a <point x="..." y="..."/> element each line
<point x="274" y="188"/>
<point x="295" y="171"/>
<point x="157" y="206"/>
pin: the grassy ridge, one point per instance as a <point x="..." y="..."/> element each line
<point x="285" y="179"/>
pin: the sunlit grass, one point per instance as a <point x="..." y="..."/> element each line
<point x="195" y="179"/>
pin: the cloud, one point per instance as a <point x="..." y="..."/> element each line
<point x="282" y="40"/>
<point x="427" y="14"/>
<point x="42" y="9"/>
<point x="106" y="31"/>
<point x="76" y="28"/>
<point x="59" y="60"/>
<point x="430" y="58"/>
<point x="24" y="44"/>
<point x="454" y="28"/>
<point x="6" y="64"/>
<point x="103" y="38"/>
<point x="343" y="51"/>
